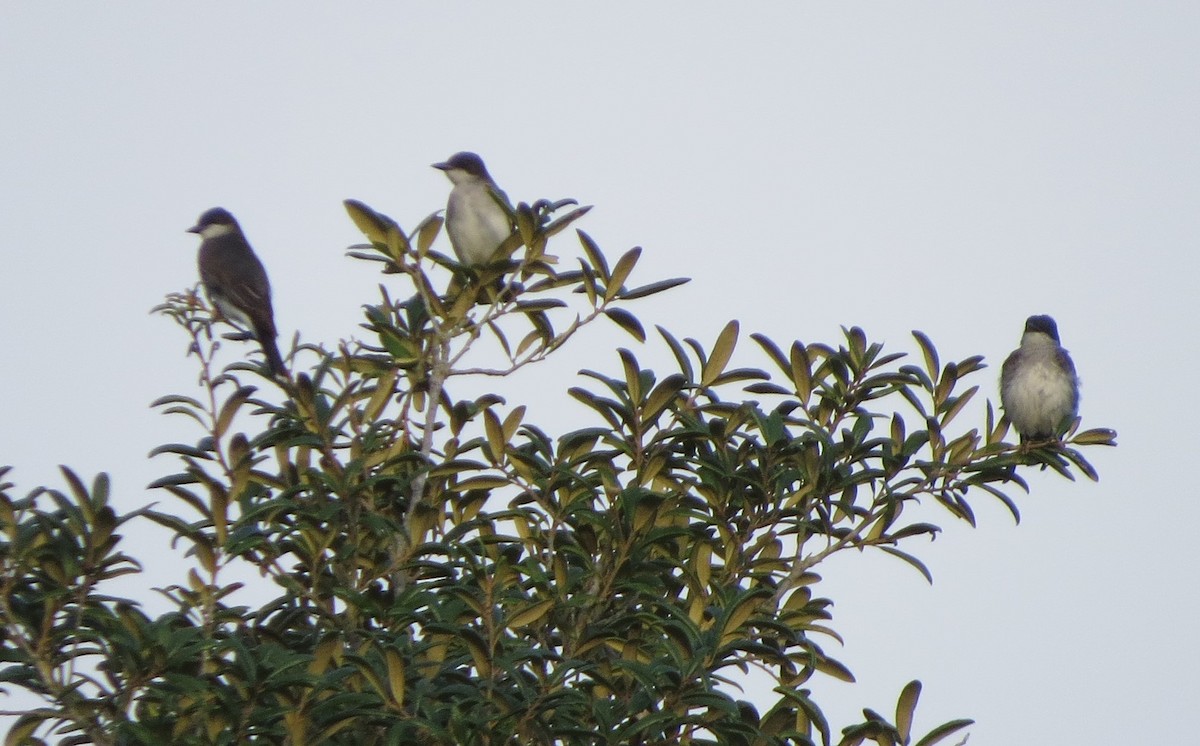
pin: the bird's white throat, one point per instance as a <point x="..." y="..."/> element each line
<point x="214" y="230"/>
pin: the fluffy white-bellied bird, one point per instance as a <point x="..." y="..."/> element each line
<point x="236" y="282"/>
<point x="475" y="221"/>
<point x="1038" y="386"/>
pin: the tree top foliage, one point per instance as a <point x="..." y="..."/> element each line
<point x="445" y="571"/>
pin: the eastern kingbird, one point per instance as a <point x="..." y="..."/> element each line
<point x="476" y="222"/>
<point x="236" y="282"/>
<point x="1038" y="386"/>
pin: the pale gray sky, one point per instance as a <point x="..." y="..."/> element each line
<point x="951" y="167"/>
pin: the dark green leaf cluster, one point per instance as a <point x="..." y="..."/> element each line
<point x="443" y="571"/>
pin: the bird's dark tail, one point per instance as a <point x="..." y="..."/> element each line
<point x="274" y="359"/>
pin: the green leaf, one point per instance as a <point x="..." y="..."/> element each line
<point x="633" y="375"/>
<point x="495" y="436"/>
<point x="830" y="667"/>
<point x="955" y="405"/>
<point x="1081" y="463"/>
<point x="531" y="614"/>
<point x="558" y="224"/>
<point x="801" y="370"/>
<point x="595" y="257"/>
<point x="541" y="304"/>
<point x="621" y="271"/>
<point x="681" y="358"/>
<point x="230" y="408"/>
<point x="21" y="733"/>
<point x="721" y="352"/>
<point x="652" y="288"/>
<point x="395" y="671"/>
<point x="662" y="396"/>
<point x="772" y="351"/>
<point x="628" y="322"/>
<point x="905" y="707"/>
<point x="920" y="566"/>
<point x="932" y="366"/>
<point x="942" y="731"/>
<point x="367" y="221"/>
<point x="176" y="399"/>
<point x="1098" y="437"/>
<point x="426" y="233"/>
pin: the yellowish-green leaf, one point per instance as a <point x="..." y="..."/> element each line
<point x="877" y="529"/>
<point x="229" y="409"/>
<point x="958" y="405"/>
<point x="384" y="388"/>
<point x="426" y="233"/>
<point x="479" y="652"/>
<point x="1099" y="437"/>
<point x="798" y="599"/>
<point x="830" y="667"/>
<point x="530" y="339"/>
<point x="420" y="523"/>
<point x="325" y="655"/>
<point x="962" y="448"/>
<point x="482" y="483"/>
<point x="531" y="614"/>
<point x="367" y="221"/>
<point x="905" y="707"/>
<point x="739" y="615"/>
<point x="661" y="397"/>
<point x="633" y="379"/>
<point x="467" y="508"/>
<point x="397" y="242"/>
<point x="931" y="357"/>
<point x="395" y="669"/>
<point x="721" y="352"/>
<point x="801" y="367"/>
<point x="702" y="562"/>
<point x="942" y="731"/>
<point x="216" y="726"/>
<point x="945" y="385"/>
<point x="620" y="272"/>
<point x="526" y="223"/>
<point x="21" y="733"/>
<point x="205" y="554"/>
<point x="495" y="436"/>
<point x="512" y="422"/>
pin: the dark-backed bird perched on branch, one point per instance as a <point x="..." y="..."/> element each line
<point x="236" y="282"/>
<point x="1038" y="386"/>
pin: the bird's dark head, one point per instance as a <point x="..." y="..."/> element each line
<point x="215" y="222"/>
<point x="1042" y="325"/>
<point x="463" y="165"/>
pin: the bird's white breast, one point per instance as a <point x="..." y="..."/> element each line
<point x="1039" y="395"/>
<point x="476" y="223"/>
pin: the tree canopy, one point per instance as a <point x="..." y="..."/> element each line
<point x="445" y="571"/>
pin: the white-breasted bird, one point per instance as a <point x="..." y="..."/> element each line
<point x="475" y="221"/>
<point x="1038" y="386"/>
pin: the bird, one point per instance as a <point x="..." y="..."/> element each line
<point x="475" y="220"/>
<point x="236" y="282"/>
<point x="1038" y="386"/>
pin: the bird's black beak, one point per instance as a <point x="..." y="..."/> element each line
<point x="194" y="229"/>
<point x="441" y="166"/>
